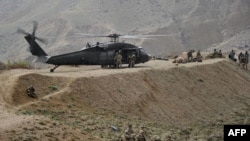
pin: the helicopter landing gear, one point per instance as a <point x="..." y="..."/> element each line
<point x="107" y="66"/>
<point x="104" y="66"/>
<point x="56" y="66"/>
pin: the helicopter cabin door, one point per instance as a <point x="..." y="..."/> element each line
<point x="127" y="52"/>
<point x="106" y="57"/>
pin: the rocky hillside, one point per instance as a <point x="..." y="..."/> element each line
<point x="199" y="23"/>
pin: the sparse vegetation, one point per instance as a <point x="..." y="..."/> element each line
<point x="53" y="88"/>
<point x="17" y="65"/>
<point x="2" y="66"/>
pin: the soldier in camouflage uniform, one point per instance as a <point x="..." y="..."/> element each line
<point x="129" y="133"/>
<point x="232" y="56"/>
<point x="31" y="91"/>
<point x="220" y="54"/>
<point x="190" y="56"/>
<point x="132" y="59"/>
<point x="118" y="60"/>
<point x="141" y="136"/>
<point x="247" y="56"/>
<point x="198" y="56"/>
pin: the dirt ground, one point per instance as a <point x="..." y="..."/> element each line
<point x="186" y="101"/>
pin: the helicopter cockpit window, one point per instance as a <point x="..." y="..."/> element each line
<point x="142" y="51"/>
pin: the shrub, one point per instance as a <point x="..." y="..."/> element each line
<point x="18" y="65"/>
<point x="2" y="66"/>
<point x="53" y="88"/>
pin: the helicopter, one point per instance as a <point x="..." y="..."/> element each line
<point x="96" y="54"/>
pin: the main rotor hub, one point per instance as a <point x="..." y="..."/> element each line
<point x="114" y="37"/>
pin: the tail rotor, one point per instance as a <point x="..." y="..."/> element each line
<point x="33" y="35"/>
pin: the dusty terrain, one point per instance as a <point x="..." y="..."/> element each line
<point x="200" y="24"/>
<point x="188" y="102"/>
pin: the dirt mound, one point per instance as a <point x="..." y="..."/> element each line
<point x="158" y="97"/>
<point x="178" y="95"/>
<point x="44" y="85"/>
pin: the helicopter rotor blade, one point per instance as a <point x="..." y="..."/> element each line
<point x="19" y="30"/>
<point x="91" y="35"/>
<point x="35" y="24"/>
<point x="126" y="36"/>
<point x="169" y="35"/>
<point x="42" y="40"/>
<point x="133" y="37"/>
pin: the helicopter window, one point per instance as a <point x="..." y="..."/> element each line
<point x="142" y="50"/>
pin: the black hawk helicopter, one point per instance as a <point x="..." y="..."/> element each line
<point x="97" y="54"/>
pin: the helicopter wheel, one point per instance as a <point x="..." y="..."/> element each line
<point x="56" y="66"/>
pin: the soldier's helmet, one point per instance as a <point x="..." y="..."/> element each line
<point x="129" y="125"/>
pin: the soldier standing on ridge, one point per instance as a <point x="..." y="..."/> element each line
<point x="247" y="56"/>
<point x="215" y="54"/>
<point x="220" y="53"/>
<point x="240" y="56"/>
<point x="190" y="56"/>
<point x="118" y="60"/>
<point x="232" y="56"/>
<point x="198" y="56"/>
<point x="132" y="59"/>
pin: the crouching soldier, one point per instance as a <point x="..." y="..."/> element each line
<point x="31" y="91"/>
<point x="142" y="135"/>
<point x="128" y="134"/>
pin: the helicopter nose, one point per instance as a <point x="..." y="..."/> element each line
<point x="149" y="56"/>
<point x="146" y="57"/>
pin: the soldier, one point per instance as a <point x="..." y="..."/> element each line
<point x="129" y="133"/>
<point x="220" y="53"/>
<point x="232" y="56"/>
<point x="118" y="60"/>
<point x="31" y="91"/>
<point x="215" y="54"/>
<point x="132" y="59"/>
<point x="190" y="55"/>
<point x="240" y="56"/>
<point x="198" y="56"/>
<point x="247" y="55"/>
<point x="141" y="136"/>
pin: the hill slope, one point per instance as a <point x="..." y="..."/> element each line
<point x="192" y="101"/>
<point x="199" y="23"/>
